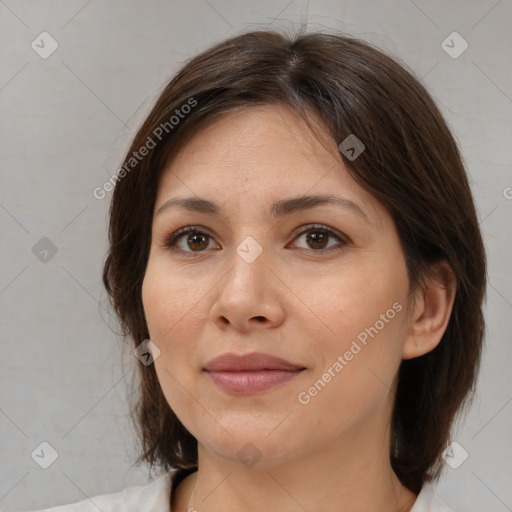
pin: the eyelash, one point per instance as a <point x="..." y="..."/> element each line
<point x="169" y="241"/>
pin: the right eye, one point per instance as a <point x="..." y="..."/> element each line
<point x="195" y="239"/>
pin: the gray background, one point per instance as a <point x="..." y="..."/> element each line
<point x="65" y="123"/>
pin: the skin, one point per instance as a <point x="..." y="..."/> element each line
<point x="331" y="454"/>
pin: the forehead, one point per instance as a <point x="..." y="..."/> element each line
<point x="265" y="151"/>
<point x="234" y="133"/>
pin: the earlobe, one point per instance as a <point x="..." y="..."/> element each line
<point x="432" y="311"/>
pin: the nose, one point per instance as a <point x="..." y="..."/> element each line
<point x="249" y="296"/>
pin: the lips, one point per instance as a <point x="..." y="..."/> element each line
<point x="249" y="362"/>
<point x="250" y="373"/>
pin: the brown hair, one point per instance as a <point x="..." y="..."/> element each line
<point x="411" y="163"/>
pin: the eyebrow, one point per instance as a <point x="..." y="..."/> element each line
<point x="279" y="208"/>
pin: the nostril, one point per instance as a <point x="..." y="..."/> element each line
<point x="260" y="318"/>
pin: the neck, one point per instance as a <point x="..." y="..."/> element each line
<point x="354" y="474"/>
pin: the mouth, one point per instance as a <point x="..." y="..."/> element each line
<point x="250" y="373"/>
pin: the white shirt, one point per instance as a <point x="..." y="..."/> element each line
<point x="154" y="497"/>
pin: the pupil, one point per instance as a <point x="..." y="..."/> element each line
<point x="318" y="239"/>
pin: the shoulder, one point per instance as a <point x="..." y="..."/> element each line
<point x="428" y="501"/>
<point x="152" y="497"/>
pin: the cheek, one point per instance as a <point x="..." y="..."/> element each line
<point x="365" y="312"/>
<point x="166" y="300"/>
<point x="172" y="310"/>
<point x="169" y="310"/>
<point x="358" y="371"/>
<point x="359" y="297"/>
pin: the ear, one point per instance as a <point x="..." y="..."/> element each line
<point x="431" y="312"/>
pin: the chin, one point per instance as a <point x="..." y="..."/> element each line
<point x="254" y="448"/>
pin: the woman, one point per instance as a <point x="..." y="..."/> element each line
<point x="293" y="230"/>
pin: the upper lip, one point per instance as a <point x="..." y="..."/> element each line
<point x="231" y="362"/>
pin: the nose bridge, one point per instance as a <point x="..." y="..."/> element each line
<point x="248" y="268"/>
<point x="249" y="250"/>
<point x="243" y="293"/>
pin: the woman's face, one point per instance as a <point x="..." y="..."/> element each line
<point x="254" y="278"/>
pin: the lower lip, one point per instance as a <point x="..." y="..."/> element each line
<point x="248" y="382"/>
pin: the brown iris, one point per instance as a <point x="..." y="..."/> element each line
<point x="317" y="239"/>
<point x="198" y="238"/>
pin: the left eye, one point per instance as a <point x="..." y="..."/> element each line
<point x="317" y="237"/>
